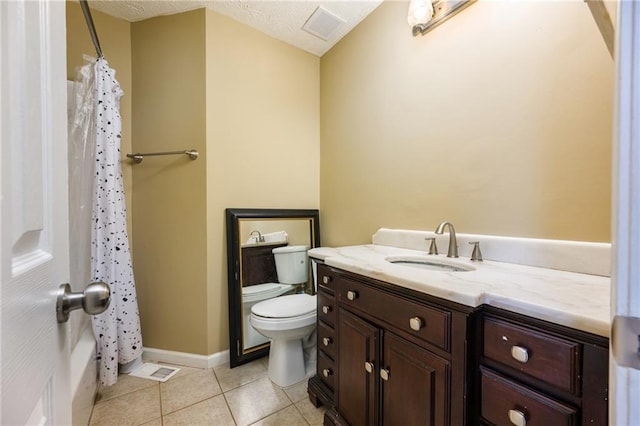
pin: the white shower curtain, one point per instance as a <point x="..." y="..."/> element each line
<point x="117" y="330"/>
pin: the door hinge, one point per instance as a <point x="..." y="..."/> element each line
<point x="625" y="341"/>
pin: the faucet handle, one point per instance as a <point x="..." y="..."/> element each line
<point x="433" y="247"/>
<point x="476" y="254"/>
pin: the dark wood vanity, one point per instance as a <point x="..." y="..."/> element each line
<point x="538" y="371"/>
<point x="388" y="355"/>
<point x="258" y="264"/>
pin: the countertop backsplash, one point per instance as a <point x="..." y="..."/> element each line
<point x="572" y="256"/>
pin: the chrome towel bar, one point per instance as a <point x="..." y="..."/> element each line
<point x="138" y="157"/>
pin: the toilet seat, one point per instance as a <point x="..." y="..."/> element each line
<point x="284" y="313"/>
<point x="258" y="292"/>
<point x="286" y="306"/>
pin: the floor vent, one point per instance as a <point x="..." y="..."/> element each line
<point x="159" y="373"/>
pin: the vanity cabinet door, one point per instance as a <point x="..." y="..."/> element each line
<point x="356" y="395"/>
<point x="415" y="384"/>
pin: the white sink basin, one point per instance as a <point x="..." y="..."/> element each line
<point x="432" y="263"/>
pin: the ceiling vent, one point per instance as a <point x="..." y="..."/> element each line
<point x="323" y="24"/>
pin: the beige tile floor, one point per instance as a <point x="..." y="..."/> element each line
<point x="220" y="396"/>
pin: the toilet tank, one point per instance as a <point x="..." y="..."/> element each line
<point x="291" y="264"/>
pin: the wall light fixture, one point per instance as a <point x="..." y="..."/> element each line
<point x="425" y="15"/>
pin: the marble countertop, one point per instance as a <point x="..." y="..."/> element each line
<point x="575" y="300"/>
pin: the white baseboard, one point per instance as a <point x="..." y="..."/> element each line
<point x="186" y="359"/>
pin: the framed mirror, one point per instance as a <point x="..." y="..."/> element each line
<point x="252" y="235"/>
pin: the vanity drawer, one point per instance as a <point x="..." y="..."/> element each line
<point x="326" y="278"/>
<point x="427" y="323"/>
<point x="548" y="358"/>
<point x="327" y="339"/>
<point x="326" y="369"/>
<point x="506" y="403"/>
<point x="326" y="308"/>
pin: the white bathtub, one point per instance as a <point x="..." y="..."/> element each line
<point x="84" y="376"/>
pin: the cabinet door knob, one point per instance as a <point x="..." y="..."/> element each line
<point x="352" y="295"/>
<point x="326" y="309"/>
<point x="326" y="279"/>
<point x="326" y="341"/>
<point x="517" y="417"/>
<point x="416" y="323"/>
<point x="368" y="366"/>
<point x="384" y="373"/>
<point x="327" y="372"/>
<point x="520" y="354"/>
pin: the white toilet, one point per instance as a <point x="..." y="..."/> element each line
<point x="250" y="296"/>
<point x="289" y="321"/>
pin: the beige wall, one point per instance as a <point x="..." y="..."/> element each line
<point x="169" y="193"/>
<point x="263" y="136"/>
<point x="250" y="105"/>
<point x="499" y="120"/>
<point x="115" y="41"/>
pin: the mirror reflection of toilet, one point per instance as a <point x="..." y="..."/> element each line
<point x="255" y="294"/>
<point x="289" y="321"/>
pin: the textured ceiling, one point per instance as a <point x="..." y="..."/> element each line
<point x="281" y="19"/>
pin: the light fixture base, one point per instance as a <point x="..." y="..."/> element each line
<point x="442" y="10"/>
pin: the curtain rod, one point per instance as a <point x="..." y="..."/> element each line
<point x="92" y="29"/>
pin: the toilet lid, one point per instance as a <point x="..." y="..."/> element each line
<point x="285" y="306"/>
<point x="254" y="290"/>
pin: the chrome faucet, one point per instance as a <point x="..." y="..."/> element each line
<point x="453" y="242"/>
<point x="260" y="238"/>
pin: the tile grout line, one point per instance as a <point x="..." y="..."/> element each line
<point x="275" y="412"/>
<point x="196" y="402"/>
<point x="226" y="401"/>
<point x="160" y="401"/>
<point x="224" y="393"/>
<point x="302" y="414"/>
<point x="121" y="395"/>
<point x="298" y="409"/>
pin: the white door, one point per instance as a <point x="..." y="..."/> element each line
<point x="624" y="382"/>
<point x="34" y="357"/>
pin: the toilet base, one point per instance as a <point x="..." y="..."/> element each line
<point x="286" y="362"/>
<point x="291" y="361"/>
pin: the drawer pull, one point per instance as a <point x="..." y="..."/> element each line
<point x="520" y="354"/>
<point x="352" y="295"/>
<point x="416" y="323"/>
<point x="326" y="341"/>
<point x="384" y="373"/>
<point x="326" y="279"/>
<point x="326" y="309"/>
<point x="368" y="366"/>
<point x="517" y="417"/>
<point x="327" y="372"/>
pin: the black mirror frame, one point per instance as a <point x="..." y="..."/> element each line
<point x="233" y="216"/>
